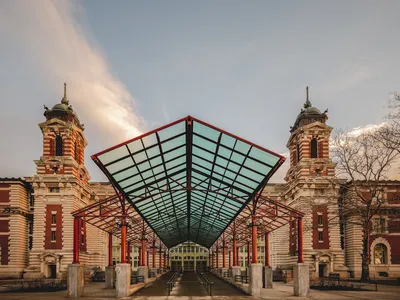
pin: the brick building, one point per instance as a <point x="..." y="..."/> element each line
<point x="36" y="225"/>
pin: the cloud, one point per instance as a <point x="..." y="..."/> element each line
<point x="53" y="32"/>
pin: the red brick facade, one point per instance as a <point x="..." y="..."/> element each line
<point x="51" y="226"/>
<point x="320" y="212"/>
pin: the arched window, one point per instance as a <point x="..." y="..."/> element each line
<point x="380" y="254"/>
<point x="59" y="146"/>
<point x="314" y="148"/>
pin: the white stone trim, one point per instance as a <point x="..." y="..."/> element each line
<point x="380" y="240"/>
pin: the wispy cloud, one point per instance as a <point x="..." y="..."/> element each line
<point x="63" y="52"/>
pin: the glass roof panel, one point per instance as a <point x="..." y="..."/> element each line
<point x="184" y="175"/>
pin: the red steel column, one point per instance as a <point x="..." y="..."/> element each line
<point x="216" y="252"/>
<point x="237" y="256"/>
<point x="266" y="252"/>
<point x="140" y="256"/>
<point x="248" y="253"/>
<point x="230" y="261"/>
<point x="235" y="262"/>
<point x="77" y="231"/>
<point x="154" y="255"/>
<point x="128" y="255"/>
<point x="110" y="249"/>
<point x="254" y="241"/>
<point x="123" y="241"/>
<point x="147" y="258"/>
<point x="165" y="263"/>
<point x="144" y="262"/>
<point x="159" y="258"/>
<point x="223" y="255"/>
<point x="167" y="260"/>
<point x="300" y="259"/>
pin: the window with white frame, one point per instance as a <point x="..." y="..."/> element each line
<point x="53" y="217"/>
<point x="53" y="236"/>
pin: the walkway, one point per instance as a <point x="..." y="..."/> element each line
<point x="156" y="288"/>
<point x="223" y="288"/>
<point x="189" y="285"/>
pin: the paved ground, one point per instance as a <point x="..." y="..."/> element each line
<point x="96" y="291"/>
<point x="223" y="288"/>
<point x="188" y="285"/>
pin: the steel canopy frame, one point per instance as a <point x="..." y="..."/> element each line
<point x="188" y="180"/>
<point x="106" y="214"/>
<point x="270" y="215"/>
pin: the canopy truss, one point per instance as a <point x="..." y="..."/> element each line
<point x="107" y="215"/>
<point x="270" y="215"/>
<point x="188" y="180"/>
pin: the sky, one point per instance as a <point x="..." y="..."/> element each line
<point x="243" y="66"/>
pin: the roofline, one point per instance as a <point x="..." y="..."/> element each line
<point x="15" y="179"/>
<point x="185" y="119"/>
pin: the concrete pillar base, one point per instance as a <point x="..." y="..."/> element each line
<point x="123" y="282"/>
<point x="76" y="280"/>
<point x="143" y="271"/>
<point x="255" y="280"/>
<point x="268" y="277"/>
<point x="235" y="271"/>
<point x="301" y="277"/>
<point x="110" y="277"/>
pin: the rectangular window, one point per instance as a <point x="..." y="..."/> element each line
<point x="320" y="220"/>
<point x="53" y="218"/>
<point x="54" y="189"/>
<point x="320" y="236"/>
<point x="53" y="236"/>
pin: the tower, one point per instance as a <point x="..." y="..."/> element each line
<point x="63" y="142"/>
<point x="60" y="187"/>
<point x="309" y="145"/>
<point x="310" y="188"/>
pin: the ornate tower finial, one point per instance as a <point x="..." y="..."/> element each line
<point x="64" y="99"/>
<point x="308" y="103"/>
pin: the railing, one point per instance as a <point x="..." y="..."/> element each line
<point x="151" y="274"/>
<point x="228" y="274"/>
<point x="242" y="279"/>
<point x="171" y="282"/>
<point x="137" y="279"/>
<point x="205" y="281"/>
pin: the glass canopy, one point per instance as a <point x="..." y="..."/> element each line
<point x="188" y="179"/>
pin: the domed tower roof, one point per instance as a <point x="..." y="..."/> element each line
<point x="309" y="114"/>
<point x="63" y="111"/>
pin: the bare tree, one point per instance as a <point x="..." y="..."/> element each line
<point x="389" y="133"/>
<point x="363" y="161"/>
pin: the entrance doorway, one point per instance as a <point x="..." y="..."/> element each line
<point x="188" y="265"/>
<point x="322" y="270"/>
<point x="52" y="271"/>
<point x="176" y="265"/>
<point x="201" y="265"/>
